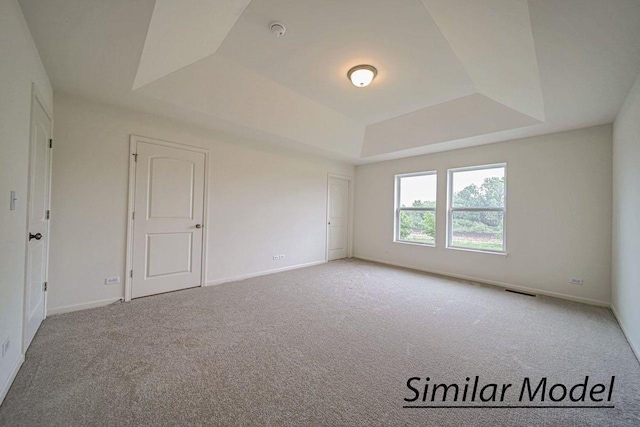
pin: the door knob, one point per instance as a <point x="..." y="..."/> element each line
<point x="36" y="236"/>
<point x="198" y="225"/>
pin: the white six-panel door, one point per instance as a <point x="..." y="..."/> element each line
<point x="168" y="218"/>
<point x="338" y="218"/>
<point x="37" y="220"/>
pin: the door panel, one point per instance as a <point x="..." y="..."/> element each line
<point x="169" y="205"/>
<point x="338" y="218"/>
<point x="36" y="262"/>
<point x="337" y="238"/>
<point x="38" y="204"/>
<point x="172" y="186"/>
<point x="168" y="253"/>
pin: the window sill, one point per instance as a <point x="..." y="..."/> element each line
<point x="480" y="251"/>
<point x="428" y="245"/>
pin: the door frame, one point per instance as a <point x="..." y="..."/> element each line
<point x="133" y="146"/>
<point x="36" y="97"/>
<point x="349" y="221"/>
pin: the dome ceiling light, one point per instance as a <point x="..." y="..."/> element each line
<point x="362" y="75"/>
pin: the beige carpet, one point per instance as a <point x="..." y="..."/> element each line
<point x="329" y="345"/>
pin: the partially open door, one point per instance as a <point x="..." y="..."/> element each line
<point x="168" y="218"/>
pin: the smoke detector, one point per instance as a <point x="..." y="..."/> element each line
<point x="278" y="29"/>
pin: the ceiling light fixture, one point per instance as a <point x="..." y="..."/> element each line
<point x="362" y="75"/>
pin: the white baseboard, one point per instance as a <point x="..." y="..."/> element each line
<point x="82" y="306"/>
<point x="12" y="376"/>
<point x="263" y="273"/>
<point x="100" y="303"/>
<point x="493" y="283"/>
<point x="622" y="323"/>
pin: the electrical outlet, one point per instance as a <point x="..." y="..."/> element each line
<point x="576" y="281"/>
<point x="5" y="346"/>
<point x="276" y="257"/>
<point x="112" y="280"/>
<point x="283" y="256"/>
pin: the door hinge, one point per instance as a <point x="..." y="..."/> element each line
<point x="135" y="157"/>
<point x="131" y="274"/>
<point x="48" y="214"/>
<point x="44" y="286"/>
<point x="51" y="143"/>
<point x="133" y="215"/>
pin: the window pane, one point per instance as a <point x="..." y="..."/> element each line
<point x="418" y="227"/>
<point x="418" y="191"/>
<point x="478" y="230"/>
<point x="483" y="188"/>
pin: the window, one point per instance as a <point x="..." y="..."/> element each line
<point x="416" y="208"/>
<point x="477" y="208"/>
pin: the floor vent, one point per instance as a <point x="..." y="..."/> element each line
<point x="521" y="293"/>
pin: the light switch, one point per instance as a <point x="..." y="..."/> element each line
<point x="12" y="202"/>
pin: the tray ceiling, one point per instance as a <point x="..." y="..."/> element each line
<point x="451" y="73"/>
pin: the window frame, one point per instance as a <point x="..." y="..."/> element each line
<point x="398" y="209"/>
<point x="451" y="209"/>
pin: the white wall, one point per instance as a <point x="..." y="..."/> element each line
<point x="21" y="66"/>
<point x="262" y="201"/>
<point x="626" y="217"/>
<point x="558" y="218"/>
